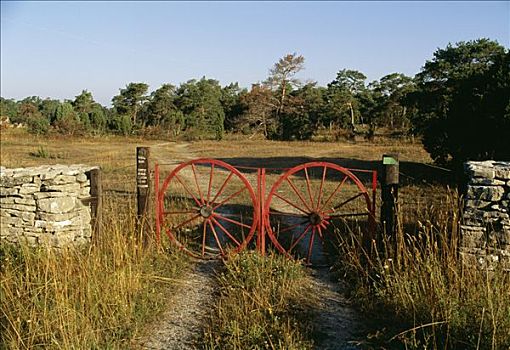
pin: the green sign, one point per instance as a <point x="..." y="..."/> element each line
<point x="389" y="161"/>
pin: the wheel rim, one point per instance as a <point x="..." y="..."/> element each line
<point x="309" y="203"/>
<point x="207" y="208"/>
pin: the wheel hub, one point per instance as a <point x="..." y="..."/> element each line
<point x="206" y="211"/>
<point x="315" y="218"/>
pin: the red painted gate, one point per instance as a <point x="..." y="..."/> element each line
<point x="209" y="208"/>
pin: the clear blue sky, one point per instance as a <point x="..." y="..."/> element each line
<point x="56" y="49"/>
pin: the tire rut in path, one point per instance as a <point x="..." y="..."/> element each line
<point x="182" y="324"/>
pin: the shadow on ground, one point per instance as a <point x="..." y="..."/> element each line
<point x="412" y="173"/>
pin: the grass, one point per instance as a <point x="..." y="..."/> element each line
<point x="100" y="297"/>
<point x="420" y="293"/>
<point x="260" y="305"/>
<point x="95" y="298"/>
<point x="416" y="289"/>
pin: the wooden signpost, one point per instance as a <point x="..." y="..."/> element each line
<point x="389" y="194"/>
<point x="143" y="190"/>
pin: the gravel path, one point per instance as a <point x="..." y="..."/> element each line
<point x="181" y="325"/>
<point x="337" y="322"/>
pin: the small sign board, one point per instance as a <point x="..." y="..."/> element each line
<point x="387" y="160"/>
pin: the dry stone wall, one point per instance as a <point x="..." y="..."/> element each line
<point x="47" y="205"/>
<point x="485" y="231"/>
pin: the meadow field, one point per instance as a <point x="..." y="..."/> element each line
<point x="413" y="293"/>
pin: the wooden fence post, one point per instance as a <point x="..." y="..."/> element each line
<point x="389" y="192"/>
<point x="143" y="191"/>
<point x="96" y="193"/>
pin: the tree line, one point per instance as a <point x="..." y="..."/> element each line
<point x="458" y="103"/>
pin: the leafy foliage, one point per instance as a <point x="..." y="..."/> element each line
<point x="463" y="97"/>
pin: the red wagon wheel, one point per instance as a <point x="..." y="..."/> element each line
<point x="309" y="203"/>
<point x="208" y="211"/>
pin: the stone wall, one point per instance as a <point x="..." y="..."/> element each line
<point x="485" y="233"/>
<point x="46" y="205"/>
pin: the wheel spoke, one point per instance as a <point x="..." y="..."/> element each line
<point x="347" y="201"/>
<point x="346" y="215"/>
<point x="319" y="231"/>
<point x="308" y="186"/>
<point x="232" y="196"/>
<point x="294" y="188"/>
<point x="299" y="238"/>
<point x="319" y="197"/>
<point x="231" y="220"/>
<point x="225" y="231"/>
<point x="210" y="183"/>
<point x="216" y="237"/>
<point x="179" y="212"/>
<point x="188" y="190"/>
<point x="290" y="203"/>
<point x="203" y="238"/>
<point x="222" y="187"/>
<point x="196" y="183"/>
<point x="292" y="227"/>
<point x="334" y="192"/>
<point x="310" y="245"/>
<point x="186" y="222"/>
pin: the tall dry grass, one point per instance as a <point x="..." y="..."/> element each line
<point x="261" y="305"/>
<point x="420" y="293"/>
<point x="93" y="298"/>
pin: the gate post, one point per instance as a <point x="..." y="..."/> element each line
<point x="157" y="206"/>
<point x="389" y="192"/>
<point x="96" y="194"/>
<point x="142" y="191"/>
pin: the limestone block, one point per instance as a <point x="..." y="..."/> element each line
<point x="27" y="200"/>
<point x="29" y="188"/>
<point x="85" y="216"/>
<point x="87" y="232"/>
<point x="69" y="188"/>
<point x="7" y="200"/>
<point x="82" y="178"/>
<point x="12" y="220"/>
<point x="7" y="181"/>
<point x="57" y="217"/>
<point x="48" y="175"/>
<point x="480" y="169"/>
<point x="504" y="236"/>
<point x="8" y="191"/>
<point x="486" y="182"/>
<point x="29" y="240"/>
<point x="490" y="216"/>
<point x="473" y="236"/>
<point x="475" y="203"/>
<point x="81" y="241"/>
<point x="52" y="225"/>
<point x="84" y="192"/>
<point x="502" y="172"/>
<point x="57" y="205"/>
<point x="61" y="180"/>
<point x="20" y="207"/>
<point x="486" y="193"/>
<point x="63" y="239"/>
<point x="40" y="195"/>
